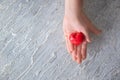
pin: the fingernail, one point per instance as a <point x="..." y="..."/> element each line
<point x="79" y="61"/>
<point x="70" y="52"/>
<point x="89" y="41"/>
<point x="83" y="58"/>
<point x="73" y="58"/>
<point x="100" y="31"/>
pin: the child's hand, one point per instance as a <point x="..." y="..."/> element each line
<point x="79" y="23"/>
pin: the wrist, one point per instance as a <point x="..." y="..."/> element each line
<point x="73" y="8"/>
<point x="73" y="15"/>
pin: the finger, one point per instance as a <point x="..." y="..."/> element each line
<point x="75" y="48"/>
<point x="74" y="53"/>
<point x="94" y="29"/>
<point x="81" y="3"/>
<point x="79" y="56"/>
<point x="90" y="25"/>
<point x="70" y="44"/>
<point x="67" y="45"/>
<point x="87" y="36"/>
<point x="84" y="50"/>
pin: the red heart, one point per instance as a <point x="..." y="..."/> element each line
<point x="77" y="38"/>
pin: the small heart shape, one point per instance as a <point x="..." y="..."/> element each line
<point x="76" y="38"/>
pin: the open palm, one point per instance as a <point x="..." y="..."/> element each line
<point x="82" y="24"/>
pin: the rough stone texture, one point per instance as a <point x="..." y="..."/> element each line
<point x="32" y="46"/>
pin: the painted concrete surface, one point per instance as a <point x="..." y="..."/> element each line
<point x="32" y="45"/>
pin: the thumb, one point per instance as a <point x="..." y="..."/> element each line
<point x="91" y="26"/>
<point x="87" y="37"/>
<point x="95" y="30"/>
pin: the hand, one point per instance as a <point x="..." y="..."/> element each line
<point x="79" y="23"/>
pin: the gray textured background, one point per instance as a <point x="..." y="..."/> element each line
<point x="32" y="46"/>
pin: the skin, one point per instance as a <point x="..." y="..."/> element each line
<point x="75" y="20"/>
